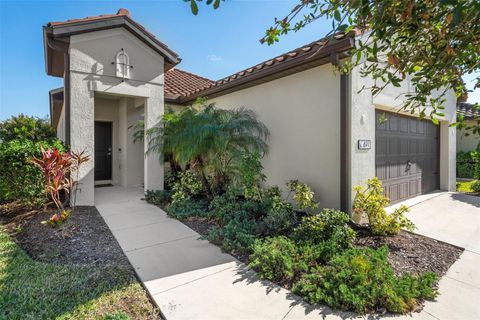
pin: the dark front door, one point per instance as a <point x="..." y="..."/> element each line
<point x="406" y="155"/>
<point x="103" y="150"/>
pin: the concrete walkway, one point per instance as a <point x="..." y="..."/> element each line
<point x="191" y="279"/>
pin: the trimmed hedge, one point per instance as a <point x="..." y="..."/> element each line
<point x="468" y="164"/>
<point x="19" y="178"/>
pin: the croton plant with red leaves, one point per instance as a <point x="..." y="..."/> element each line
<point x="59" y="169"/>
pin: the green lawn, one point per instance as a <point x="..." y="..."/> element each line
<point x="464" y="186"/>
<point x="36" y="290"/>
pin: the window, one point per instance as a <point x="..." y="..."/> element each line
<point x="122" y="63"/>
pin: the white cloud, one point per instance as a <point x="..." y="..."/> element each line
<point x="214" y="58"/>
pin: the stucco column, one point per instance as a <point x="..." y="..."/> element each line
<point x="153" y="168"/>
<point x="448" y="156"/>
<point x="82" y="125"/>
<point x="361" y="127"/>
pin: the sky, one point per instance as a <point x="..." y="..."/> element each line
<point x="213" y="44"/>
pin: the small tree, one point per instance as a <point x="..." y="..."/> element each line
<point x="25" y="127"/>
<point x="58" y="169"/>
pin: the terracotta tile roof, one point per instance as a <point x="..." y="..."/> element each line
<point x="120" y="12"/>
<point x="303" y="53"/>
<point x="182" y="83"/>
<point x="468" y="110"/>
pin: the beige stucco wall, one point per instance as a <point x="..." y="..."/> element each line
<point x="470" y="142"/>
<point x="302" y="112"/>
<point x="91" y="71"/>
<point x="61" y="125"/>
<point x="135" y="154"/>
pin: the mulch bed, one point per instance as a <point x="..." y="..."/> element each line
<point x="412" y="253"/>
<point x="408" y="252"/>
<point x="83" y="239"/>
<point x="199" y="224"/>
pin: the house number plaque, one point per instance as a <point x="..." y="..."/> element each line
<point x="364" y="144"/>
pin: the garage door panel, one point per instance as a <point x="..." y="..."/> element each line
<point x="381" y="171"/>
<point x="381" y="146"/>
<point x="400" y="141"/>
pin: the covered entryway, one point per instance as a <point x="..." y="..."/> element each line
<point x="407" y="153"/>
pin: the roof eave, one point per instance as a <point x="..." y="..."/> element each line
<point x="268" y="74"/>
<point x="79" y="27"/>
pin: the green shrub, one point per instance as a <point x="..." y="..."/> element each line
<point x="20" y="179"/>
<point x="302" y="194"/>
<point x="236" y="237"/>
<point x="185" y="186"/>
<point x="24" y="127"/>
<point x="251" y="174"/>
<point x="282" y="260"/>
<point x="225" y="207"/>
<point x="475" y="186"/>
<point x="275" y="258"/>
<point x="185" y="208"/>
<point x="468" y="164"/>
<point x="476" y="166"/>
<point x="158" y="197"/>
<point x="362" y="280"/>
<point x="329" y="224"/>
<point x="278" y="222"/>
<point x="372" y="202"/>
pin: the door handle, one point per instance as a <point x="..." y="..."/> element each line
<point x="109" y="151"/>
<point x="409" y="164"/>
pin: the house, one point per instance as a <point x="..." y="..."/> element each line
<point x="325" y="130"/>
<point x="466" y="141"/>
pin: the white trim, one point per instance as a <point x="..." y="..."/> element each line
<point x="122" y="64"/>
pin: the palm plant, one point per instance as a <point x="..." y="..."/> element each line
<point x="210" y="141"/>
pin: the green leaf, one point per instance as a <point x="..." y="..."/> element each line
<point x="194" y="7"/>
<point x="417" y="68"/>
<point x="216" y="4"/>
<point x="457" y="15"/>
<point x="337" y="15"/>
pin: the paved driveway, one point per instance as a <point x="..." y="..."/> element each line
<point x="450" y="217"/>
<point x="453" y="218"/>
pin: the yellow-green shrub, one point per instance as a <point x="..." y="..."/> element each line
<point x="372" y="202"/>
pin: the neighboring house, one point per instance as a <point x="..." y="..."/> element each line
<point x="466" y="140"/>
<point x="325" y="131"/>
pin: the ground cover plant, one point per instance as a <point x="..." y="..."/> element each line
<point x="468" y="186"/>
<point x="282" y="234"/>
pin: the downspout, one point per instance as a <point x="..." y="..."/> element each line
<point x="344" y="143"/>
<point x="344" y="134"/>
<point x="66" y="95"/>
